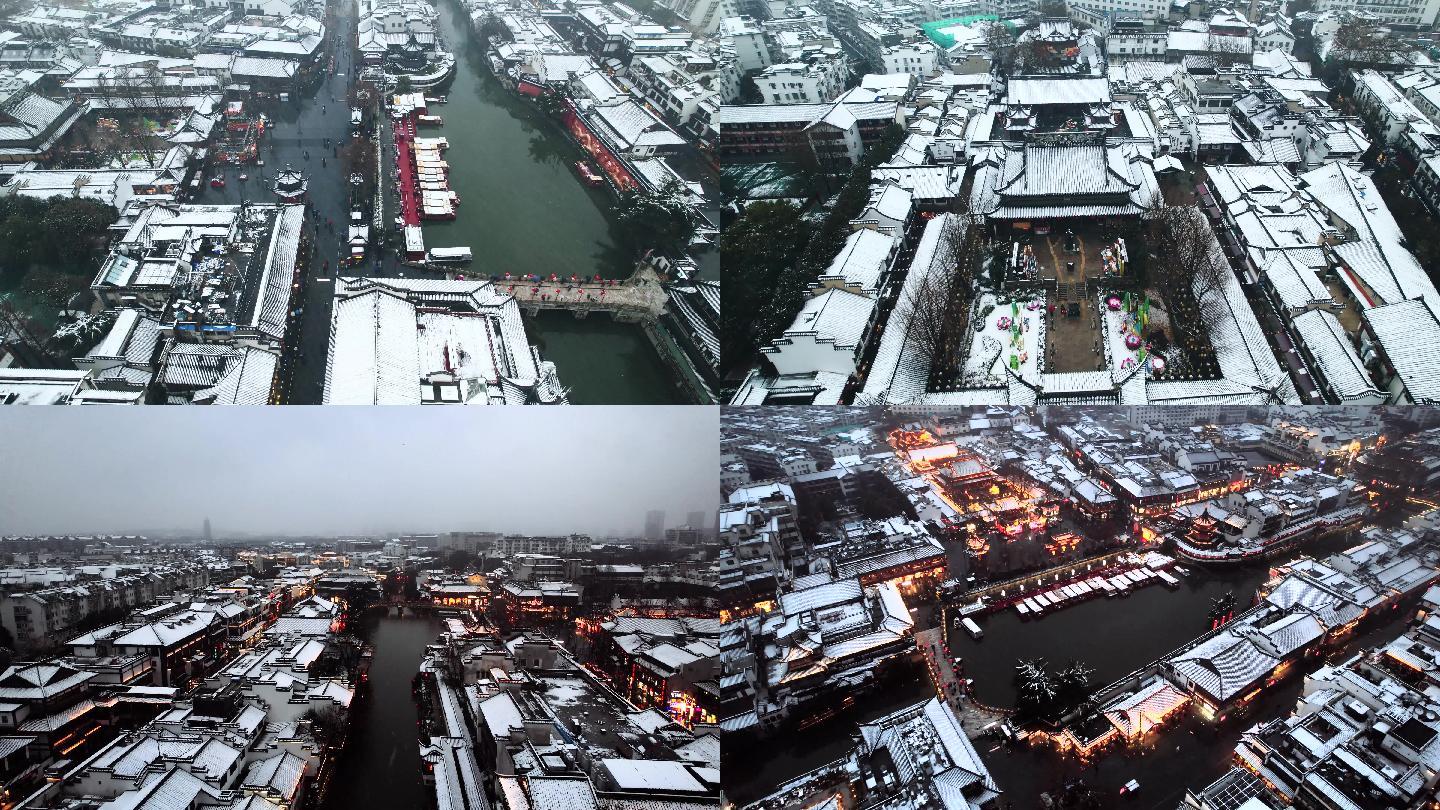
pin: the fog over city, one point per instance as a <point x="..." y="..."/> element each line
<point x="335" y="471"/>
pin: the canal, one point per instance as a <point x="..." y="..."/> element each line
<point x="523" y="210"/>
<point x="1114" y="636"/>
<point x="380" y="766"/>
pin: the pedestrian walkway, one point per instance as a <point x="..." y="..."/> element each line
<point x="974" y="718"/>
<point x="640" y="297"/>
<point x="405" y="167"/>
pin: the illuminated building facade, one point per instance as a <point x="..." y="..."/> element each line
<point x="665" y="676"/>
<point x="1237" y="523"/>
<point x="541" y="568"/>
<point x="1305" y="609"/>
<point x="181" y="643"/>
<point x="670" y="663"/>
<point x="1093" y="507"/>
<point x="1363" y="733"/>
<point x="1403" y="470"/>
<point x="51" y="699"/>
<point x="1308" y="443"/>
<point x="460" y="595"/>
<point x="350" y="588"/>
<point x="898" y="551"/>
<point x="535" y="604"/>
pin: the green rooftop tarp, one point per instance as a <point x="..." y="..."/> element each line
<point x="945" y="40"/>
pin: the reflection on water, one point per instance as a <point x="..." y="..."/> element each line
<point x="380" y="766"/>
<point x="604" y="362"/>
<point x="523" y="210"/>
<point x="1114" y="636"/>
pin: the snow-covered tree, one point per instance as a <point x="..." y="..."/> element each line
<point x="1036" y="686"/>
<point x="81" y="334"/>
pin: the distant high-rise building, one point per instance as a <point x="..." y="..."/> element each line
<point x="481" y="543"/>
<point x="683" y="536"/>
<point x="696" y="520"/>
<point x="208" y="538"/>
<point x="655" y="524"/>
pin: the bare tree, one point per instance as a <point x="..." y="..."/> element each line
<point x="1210" y="276"/>
<point x="1001" y="43"/>
<point x="130" y="91"/>
<point x="938" y="306"/>
<point x="1185" y="246"/>
<point x="1036" y="55"/>
<point x="1191" y="269"/>
<point x="358" y="157"/>
<point x="1365" y="41"/>
<point x="927" y="306"/>
<point x="1228" y="50"/>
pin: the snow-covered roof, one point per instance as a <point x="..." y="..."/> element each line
<point x="372" y="353"/>
<point x="1028" y="92"/>
<point x="1088" y="179"/>
<point x="821" y="596"/>
<point x="389" y="336"/>
<point x="563" y="793"/>
<point x="278" y="775"/>
<point x="39" y="682"/>
<point x="1388" y="268"/>
<point x="1224" y="665"/>
<point x="248" y="379"/>
<point x="1240" y="345"/>
<point x="862" y="261"/>
<point x="652" y="776"/>
<point x="836" y="314"/>
<point x="901" y="367"/>
<point x="1139" y="711"/>
<point x="738" y="114"/>
<point x="634" y="125"/>
<point x="925" y="183"/>
<point x="815" y="387"/>
<point x="1298" y="286"/>
<point x="168" y="631"/>
<point x="1327" y="342"/>
<point x="1408" y="332"/>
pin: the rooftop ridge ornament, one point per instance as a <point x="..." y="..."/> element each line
<point x="1070" y="138"/>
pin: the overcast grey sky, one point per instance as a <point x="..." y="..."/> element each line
<point x="294" y="470"/>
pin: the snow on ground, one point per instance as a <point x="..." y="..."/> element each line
<point x="993" y="347"/>
<point x="1116" y="352"/>
<point x="566" y="693"/>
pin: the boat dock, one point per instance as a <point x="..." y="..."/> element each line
<point x="437" y="200"/>
<point x="975" y="718"/>
<point x="422" y="176"/>
<point x="407" y="179"/>
<point x="1116" y="580"/>
<point x="1114" y="573"/>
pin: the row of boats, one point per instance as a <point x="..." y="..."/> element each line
<point x="1118" y="584"/>
<point x="437" y="200"/>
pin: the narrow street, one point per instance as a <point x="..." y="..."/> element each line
<point x="306" y="134"/>
<point x="1281" y="344"/>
